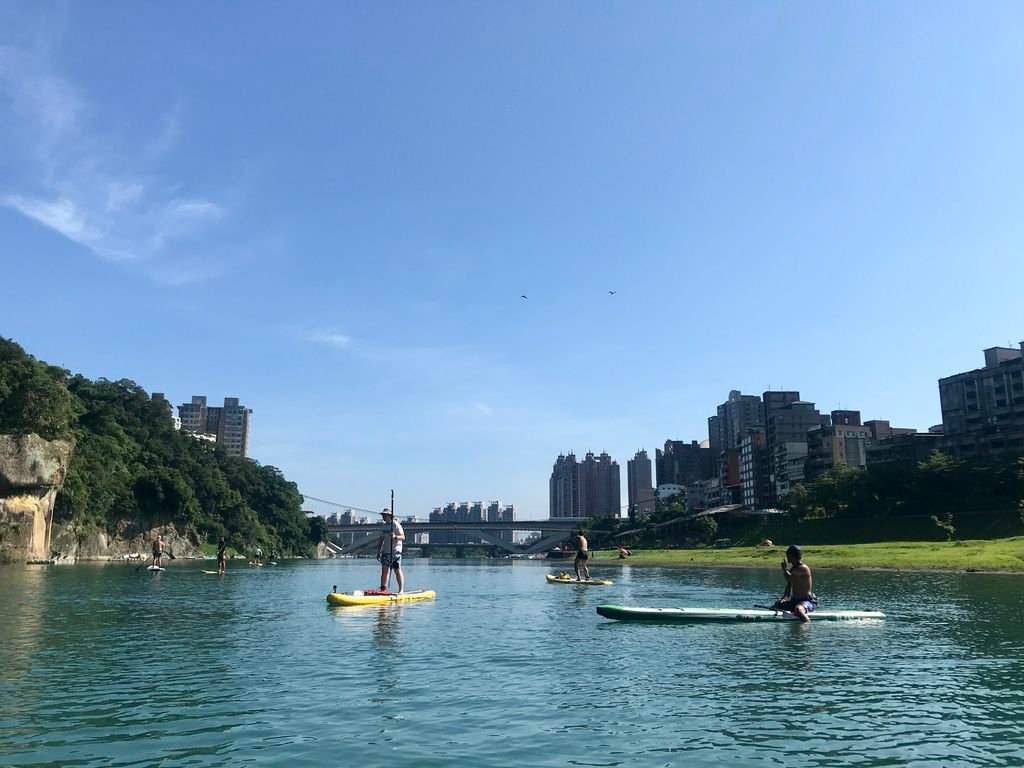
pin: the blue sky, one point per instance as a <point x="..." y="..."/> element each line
<point x="331" y="212"/>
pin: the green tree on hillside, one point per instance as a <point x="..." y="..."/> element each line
<point x="318" y="532"/>
<point x="33" y="396"/>
<point x="131" y="464"/>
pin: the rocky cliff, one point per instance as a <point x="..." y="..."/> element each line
<point x="123" y="540"/>
<point x="31" y="472"/>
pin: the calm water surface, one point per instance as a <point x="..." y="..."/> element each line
<point x="106" y="666"/>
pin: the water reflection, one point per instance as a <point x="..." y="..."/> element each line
<point x="21" y="626"/>
<point x="386" y="627"/>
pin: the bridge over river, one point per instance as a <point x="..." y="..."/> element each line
<point x="552" y="532"/>
<point x="364" y="536"/>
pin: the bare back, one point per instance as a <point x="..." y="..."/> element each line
<point x="800" y="582"/>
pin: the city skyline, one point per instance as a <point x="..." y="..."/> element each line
<point x="349" y="256"/>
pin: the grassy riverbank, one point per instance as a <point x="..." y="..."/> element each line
<point x="980" y="555"/>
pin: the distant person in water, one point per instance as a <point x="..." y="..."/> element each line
<point x="158" y="551"/>
<point x="799" y="597"/>
<point x="273" y="555"/>
<point x="222" y="556"/>
<point x="582" y="556"/>
<point x="389" y="551"/>
<point x="259" y="556"/>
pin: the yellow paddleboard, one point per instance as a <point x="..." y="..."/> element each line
<point x="359" y="597"/>
<point x="570" y="580"/>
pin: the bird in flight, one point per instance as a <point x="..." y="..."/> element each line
<point x="523" y="296"/>
<point x="612" y="292"/>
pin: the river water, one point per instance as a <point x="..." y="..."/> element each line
<point x="109" y="666"/>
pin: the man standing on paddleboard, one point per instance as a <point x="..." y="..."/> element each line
<point x="158" y="551"/>
<point x="222" y="556"/>
<point x="798" y="598"/>
<point x="582" y="556"/>
<point x="389" y="551"/>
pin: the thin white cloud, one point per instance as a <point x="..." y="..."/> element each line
<point x="331" y="339"/>
<point x="60" y="215"/>
<point x="482" y="408"/>
<point x="193" y="210"/>
<point x="167" y="138"/>
<point x="48" y="102"/>
<point x="93" y="188"/>
<point x="122" y="194"/>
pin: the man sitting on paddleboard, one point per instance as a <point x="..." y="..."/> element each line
<point x="798" y="598"/>
<point x="582" y="556"/>
<point x="389" y="551"/>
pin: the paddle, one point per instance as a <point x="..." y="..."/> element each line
<point x="165" y="554"/>
<point x="391" y="538"/>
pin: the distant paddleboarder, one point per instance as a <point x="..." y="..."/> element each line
<point x="389" y="551"/>
<point x="799" y="597"/>
<point x="158" y="551"/>
<point x="222" y="556"/>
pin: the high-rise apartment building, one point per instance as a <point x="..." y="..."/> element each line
<point x="590" y="488"/>
<point x="682" y="463"/>
<point x="564" y="488"/>
<point x="787" y="419"/>
<point x="846" y="418"/>
<point x="828" y="446"/>
<point x="233" y="429"/>
<point x="600" y="485"/>
<point x="638" y="485"/>
<point x="230" y="423"/>
<point x="754" y="471"/>
<point x="907" y="449"/>
<point x="881" y="429"/>
<point x="773" y="401"/>
<point x="983" y="409"/>
<point x="193" y="415"/>
<point x="715" y="435"/>
<point x="790" y="463"/>
<point x="737" y="416"/>
<point x="471" y="512"/>
<point x="501" y="513"/>
<point x="729" y="476"/>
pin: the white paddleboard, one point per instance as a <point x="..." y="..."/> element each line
<point x="686" y="615"/>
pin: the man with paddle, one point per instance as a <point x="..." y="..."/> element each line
<point x="389" y="551"/>
<point x="158" y="551"/>
<point x="158" y="554"/>
<point x="582" y="556"/>
<point x="798" y="598"/>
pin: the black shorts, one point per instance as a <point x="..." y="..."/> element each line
<point x="582" y="556"/>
